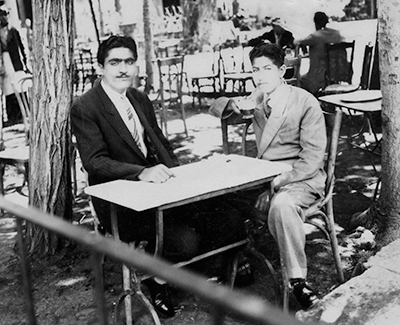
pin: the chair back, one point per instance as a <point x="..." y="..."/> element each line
<point x="232" y="60"/>
<point x="292" y="74"/>
<point x="170" y="83"/>
<point x="339" y="62"/>
<point x="366" y="67"/>
<point x="23" y="92"/>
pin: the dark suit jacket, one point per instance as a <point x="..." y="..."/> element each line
<point x="286" y="40"/>
<point x="107" y="148"/>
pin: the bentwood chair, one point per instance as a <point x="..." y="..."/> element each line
<point x="203" y="74"/>
<point x="339" y="68"/>
<point x="169" y="97"/>
<point x="19" y="156"/>
<point x="322" y="209"/>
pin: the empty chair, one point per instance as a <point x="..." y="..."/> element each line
<point x="169" y="94"/>
<point x="339" y="68"/>
<point x="203" y="74"/>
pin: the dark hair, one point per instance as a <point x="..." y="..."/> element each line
<point x="270" y="50"/>
<point x="320" y="18"/>
<point x="114" y="42"/>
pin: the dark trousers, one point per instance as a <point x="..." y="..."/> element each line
<point x="188" y="230"/>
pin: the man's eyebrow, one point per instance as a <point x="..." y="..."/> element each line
<point x="120" y="60"/>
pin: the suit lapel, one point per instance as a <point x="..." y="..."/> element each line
<point x="115" y="120"/>
<point x="271" y="125"/>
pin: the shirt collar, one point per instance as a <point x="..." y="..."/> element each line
<point x="114" y="95"/>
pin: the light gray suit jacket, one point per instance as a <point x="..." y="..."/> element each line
<point x="294" y="133"/>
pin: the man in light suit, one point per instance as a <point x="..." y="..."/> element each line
<point x="118" y="138"/>
<point x="289" y="126"/>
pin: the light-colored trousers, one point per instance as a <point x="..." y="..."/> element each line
<point x="285" y="222"/>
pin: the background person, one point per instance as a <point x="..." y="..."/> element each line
<point x="279" y="34"/>
<point x="118" y="138"/>
<point x="314" y="79"/>
<point x="15" y="66"/>
<point x="289" y="127"/>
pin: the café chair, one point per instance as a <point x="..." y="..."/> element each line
<point x="322" y="209"/>
<point x="19" y="156"/>
<point x="292" y="74"/>
<point x="339" y="68"/>
<point x="203" y="74"/>
<point x="237" y="70"/>
<point x="169" y="97"/>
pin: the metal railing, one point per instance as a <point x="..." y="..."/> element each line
<point x="250" y="308"/>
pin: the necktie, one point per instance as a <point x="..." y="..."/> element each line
<point x="267" y="109"/>
<point x="134" y="131"/>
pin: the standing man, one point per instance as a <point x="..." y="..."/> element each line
<point x="314" y="80"/>
<point x="289" y="127"/>
<point x="118" y="138"/>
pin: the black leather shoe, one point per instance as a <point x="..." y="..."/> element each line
<point x="161" y="298"/>
<point x="305" y="295"/>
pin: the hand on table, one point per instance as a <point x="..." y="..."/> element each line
<point x="156" y="174"/>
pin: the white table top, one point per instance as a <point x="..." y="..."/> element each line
<point x="192" y="182"/>
<point x="361" y="100"/>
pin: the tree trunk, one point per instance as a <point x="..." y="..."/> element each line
<point x="384" y="215"/>
<point x="148" y="46"/>
<point x="50" y="172"/>
<point x="389" y="46"/>
<point x="197" y="22"/>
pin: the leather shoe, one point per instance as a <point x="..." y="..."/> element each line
<point x="161" y="298"/>
<point x="305" y="295"/>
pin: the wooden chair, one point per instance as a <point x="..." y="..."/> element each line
<point x="322" y="208"/>
<point x="203" y="74"/>
<point x="236" y="69"/>
<point x="169" y="94"/>
<point x="292" y="75"/>
<point x="19" y="156"/>
<point x="339" y="68"/>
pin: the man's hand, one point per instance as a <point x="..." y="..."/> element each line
<point x="264" y="200"/>
<point x="156" y="174"/>
<point x="233" y="106"/>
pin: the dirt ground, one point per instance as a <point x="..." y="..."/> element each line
<point x="63" y="283"/>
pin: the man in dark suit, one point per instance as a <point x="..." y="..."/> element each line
<point x="279" y="34"/>
<point x="118" y="138"/>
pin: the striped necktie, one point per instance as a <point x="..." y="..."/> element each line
<point x="134" y="131"/>
<point x="267" y="109"/>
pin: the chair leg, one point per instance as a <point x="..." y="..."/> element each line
<point x="285" y="287"/>
<point x="333" y="240"/>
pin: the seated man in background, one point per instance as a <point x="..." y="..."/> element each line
<point x="279" y="34"/>
<point x="118" y="138"/>
<point x="314" y="80"/>
<point x="289" y="127"/>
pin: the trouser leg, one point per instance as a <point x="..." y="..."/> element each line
<point x="285" y="222"/>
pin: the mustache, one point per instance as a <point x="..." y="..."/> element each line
<point x="123" y="75"/>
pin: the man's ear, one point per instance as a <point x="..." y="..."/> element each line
<point x="282" y="70"/>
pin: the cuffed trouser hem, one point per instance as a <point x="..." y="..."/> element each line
<point x="297" y="273"/>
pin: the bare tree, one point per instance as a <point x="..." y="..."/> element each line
<point x="384" y="215"/>
<point x="50" y="172"/>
